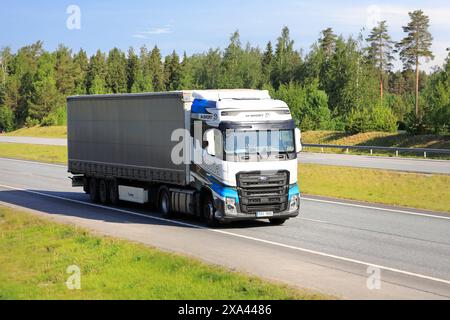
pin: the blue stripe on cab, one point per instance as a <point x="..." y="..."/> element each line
<point x="293" y="190"/>
<point x="225" y="192"/>
<point x="200" y="106"/>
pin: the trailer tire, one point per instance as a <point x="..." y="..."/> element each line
<point x="209" y="212"/>
<point x="164" y="203"/>
<point x="113" y="193"/>
<point x="93" y="190"/>
<point x="103" y="192"/>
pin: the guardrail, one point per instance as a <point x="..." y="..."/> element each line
<point x="395" y="150"/>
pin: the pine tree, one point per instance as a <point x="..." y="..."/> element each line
<point x="132" y="69"/>
<point x="45" y="96"/>
<point x="328" y="42"/>
<point x="64" y="71"/>
<point x="267" y="62"/>
<point x="187" y="73"/>
<point x="116" y="71"/>
<point x="81" y="68"/>
<point x="416" y="45"/>
<point x="144" y="81"/>
<point x="156" y="69"/>
<point x="380" y="51"/>
<point x="286" y="61"/>
<point x="96" y="74"/>
<point x="230" y="77"/>
<point x="173" y="69"/>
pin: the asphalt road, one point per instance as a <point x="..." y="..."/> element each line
<point x="29" y="140"/>
<point x="330" y="248"/>
<point x="397" y="164"/>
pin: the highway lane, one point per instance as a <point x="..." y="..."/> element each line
<point x="29" y="140"/>
<point x="386" y="163"/>
<point x="374" y="162"/>
<point x="328" y="249"/>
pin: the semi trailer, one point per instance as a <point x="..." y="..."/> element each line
<point x="223" y="155"/>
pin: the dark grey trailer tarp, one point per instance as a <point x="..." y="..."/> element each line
<point x="126" y="136"/>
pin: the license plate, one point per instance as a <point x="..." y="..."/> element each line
<point x="264" y="214"/>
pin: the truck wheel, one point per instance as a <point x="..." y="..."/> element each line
<point x="103" y="192"/>
<point x="277" y="222"/>
<point x="113" y="193"/>
<point x="209" y="212"/>
<point x="93" y="190"/>
<point x="164" y="203"/>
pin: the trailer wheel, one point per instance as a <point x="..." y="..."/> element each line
<point x="103" y="192"/>
<point x="113" y="193"/>
<point x="277" y="222"/>
<point x="209" y="212"/>
<point x="93" y="190"/>
<point x="164" y="203"/>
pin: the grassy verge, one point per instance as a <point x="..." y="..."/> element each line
<point x="40" y="132"/>
<point x="378" y="139"/>
<point x="430" y="192"/>
<point x="50" y="154"/>
<point x="35" y="254"/>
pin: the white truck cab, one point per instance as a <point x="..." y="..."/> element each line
<point x="250" y="145"/>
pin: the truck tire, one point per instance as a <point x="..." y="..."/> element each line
<point x="103" y="192"/>
<point x="164" y="203"/>
<point x="93" y="190"/>
<point x="209" y="212"/>
<point x="113" y="193"/>
<point x="277" y="222"/>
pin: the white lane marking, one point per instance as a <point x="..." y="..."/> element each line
<point x="34" y="162"/>
<point x="304" y="198"/>
<point x="377" y="208"/>
<point x="235" y="235"/>
<point x="312" y="220"/>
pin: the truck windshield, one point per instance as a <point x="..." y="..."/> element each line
<point x="259" y="142"/>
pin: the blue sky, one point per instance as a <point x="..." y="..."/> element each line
<point x="198" y="25"/>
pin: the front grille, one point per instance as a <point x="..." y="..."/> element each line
<point x="263" y="191"/>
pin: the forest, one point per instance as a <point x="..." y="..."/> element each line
<point x="342" y="84"/>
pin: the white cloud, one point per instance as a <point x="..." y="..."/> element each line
<point x="153" y="31"/>
<point x="163" y="30"/>
<point x="139" y="36"/>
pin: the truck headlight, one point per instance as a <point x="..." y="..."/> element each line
<point x="294" y="204"/>
<point x="230" y="206"/>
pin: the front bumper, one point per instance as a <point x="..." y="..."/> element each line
<point x="222" y="217"/>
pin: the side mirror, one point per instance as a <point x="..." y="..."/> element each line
<point x="209" y="138"/>
<point x="298" y="140"/>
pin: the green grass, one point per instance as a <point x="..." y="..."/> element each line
<point x="430" y="192"/>
<point x="40" y="132"/>
<point x="35" y="254"/>
<point x="380" y="139"/>
<point x="50" y="154"/>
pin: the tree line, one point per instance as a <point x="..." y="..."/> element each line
<point x="341" y="84"/>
